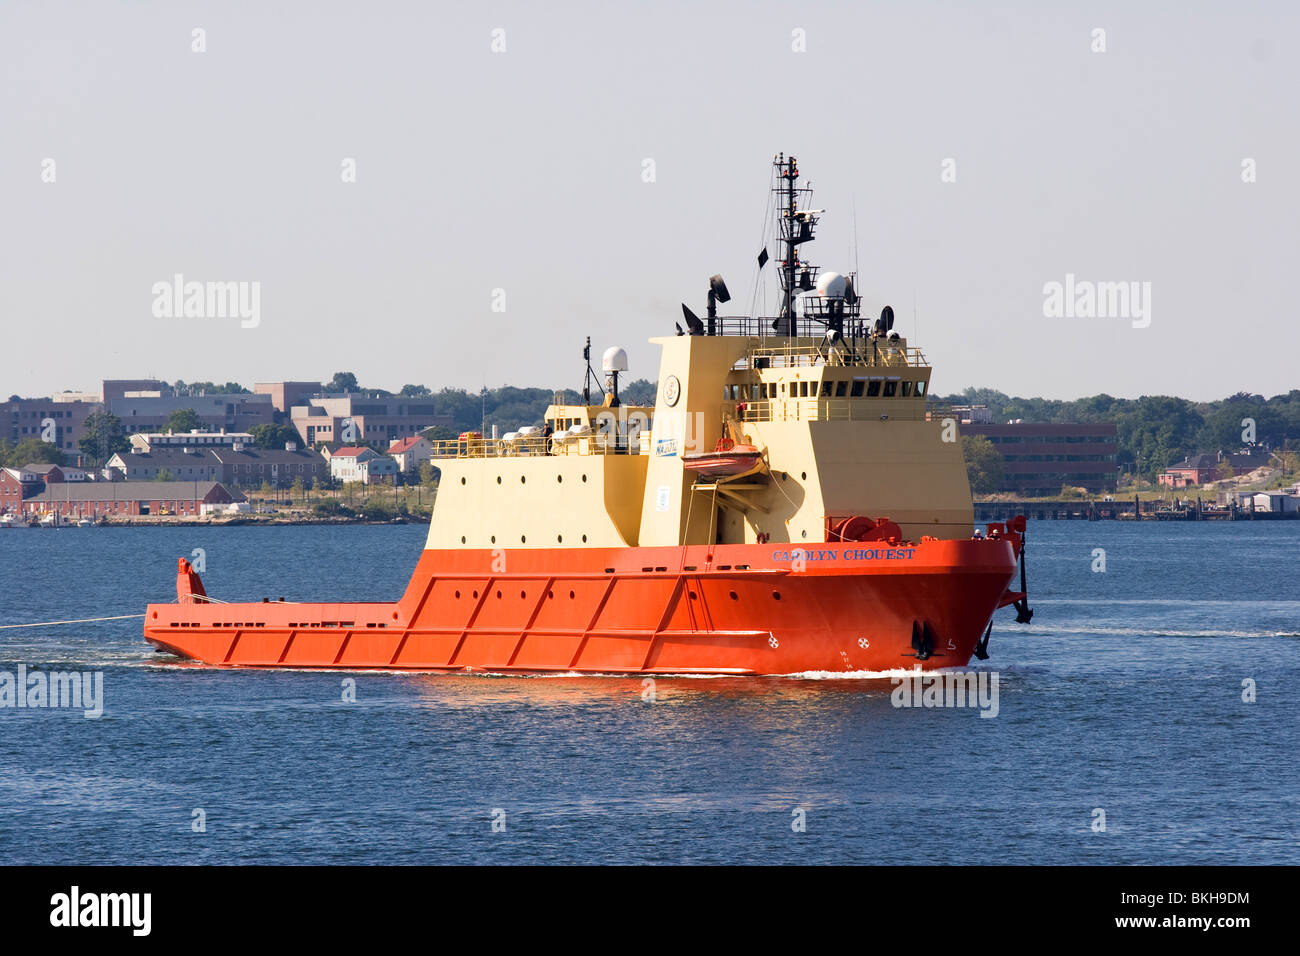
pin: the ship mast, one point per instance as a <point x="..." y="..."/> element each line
<point x="794" y="228"/>
<point x="836" y="305"/>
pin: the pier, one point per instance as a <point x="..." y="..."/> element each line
<point x="1126" y="510"/>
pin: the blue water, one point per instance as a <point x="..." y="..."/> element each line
<point x="1125" y="695"/>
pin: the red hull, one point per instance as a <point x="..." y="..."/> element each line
<point x="726" y="609"/>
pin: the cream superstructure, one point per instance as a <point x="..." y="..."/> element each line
<point x="845" y="430"/>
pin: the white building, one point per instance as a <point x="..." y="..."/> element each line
<point x="143" y="442"/>
<point x="409" y="453"/>
<point x="355" y="463"/>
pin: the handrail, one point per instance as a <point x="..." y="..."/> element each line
<point x="880" y="354"/>
<point x="561" y="443"/>
<point x="910" y="409"/>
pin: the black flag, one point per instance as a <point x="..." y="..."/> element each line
<point x="762" y="258"/>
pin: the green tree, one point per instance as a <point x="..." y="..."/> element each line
<point x="1223" y="429"/>
<point x="33" y="451"/>
<point x="330" y="508"/>
<point x="164" y="474"/>
<point x="440" y="433"/>
<point x="105" y="437"/>
<point x="1288" y="462"/>
<point x="415" y="391"/>
<point x="273" y="436"/>
<point x="299" y="489"/>
<point x="342" y="382"/>
<point x="640" y="391"/>
<point x="183" y="420"/>
<point x="984" y="465"/>
<point x="1156" y="431"/>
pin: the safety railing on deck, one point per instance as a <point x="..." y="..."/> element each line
<point x="879" y="354"/>
<point x="560" y="444"/>
<point x="835" y="410"/>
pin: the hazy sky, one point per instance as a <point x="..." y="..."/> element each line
<point x="522" y="171"/>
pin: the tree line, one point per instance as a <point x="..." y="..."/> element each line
<point x="1156" y="431"/>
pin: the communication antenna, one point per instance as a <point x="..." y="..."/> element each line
<point x="855" y="235"/>
<point x="591" y="374"/>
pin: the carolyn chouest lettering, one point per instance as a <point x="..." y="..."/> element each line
<point x="70" y="689"/>
<point x="179" y="299"/>
<point x="1084" y="299"/>
<point x="848" y="554"/>
<point x="947" y="689"/>
<point x="102" y="909"/>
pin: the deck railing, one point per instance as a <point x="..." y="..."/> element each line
<point x="536" y="445"/>
<point x="880" y="354"/>
<point x="836" y="410"/>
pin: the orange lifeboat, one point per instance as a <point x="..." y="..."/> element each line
<point x="727" y="460"/>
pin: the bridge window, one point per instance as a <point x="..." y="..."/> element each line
<point x="890" y="389"/>
<point x="858" y="385"/>
<point x="841" y="389"/>
<point x="873" y="388"/>
<point x="907" y="390"/>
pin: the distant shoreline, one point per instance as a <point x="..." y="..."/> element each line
<point x="245" y="521"/>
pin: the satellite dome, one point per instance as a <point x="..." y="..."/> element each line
<point x="832" y="285"/>
<point x="614" y="359"/>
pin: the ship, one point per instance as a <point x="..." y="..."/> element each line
<point x="792" y="502"/>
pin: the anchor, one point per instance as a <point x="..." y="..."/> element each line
<point x="1015" y="533"/>
<point x="922" y="640"/>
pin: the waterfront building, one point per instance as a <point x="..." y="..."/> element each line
<point x="358" y="463"/>
<point x="59" y="419"/>
<point x="101" y="499"/>
<point x="144" y="442"/>
<point x="240" y="465"/>
<point x="1040" y="457"/>
<point x="410" y="453"/>
<point x="358" y="419"/>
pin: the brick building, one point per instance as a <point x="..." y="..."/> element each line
<point x="1041" y="458"/>
<point x="59" y="420"/>
<point x="236" y="466"/>
<point x="357" y="419"/>
<point x="95" y="499"/>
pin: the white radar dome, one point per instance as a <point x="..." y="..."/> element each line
<point x="831" y="285"/>
<point x="614" y="360"/>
